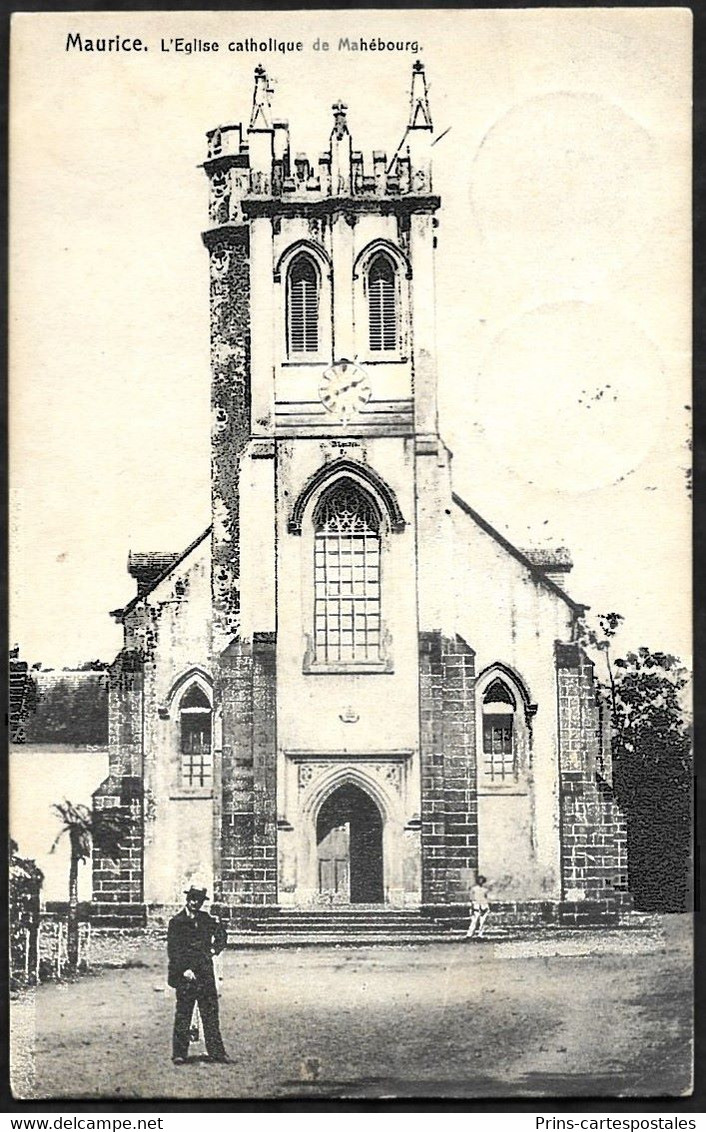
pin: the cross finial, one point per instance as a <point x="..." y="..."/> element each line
<point x="261" y="113"/>
<point x="339" y="109"/>
<point x="419" y="115"/>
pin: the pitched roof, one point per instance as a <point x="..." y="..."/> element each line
<point x="146" y="563"/>
<point x="536" y="561"/>
<point x="521" y="556"/>
<point x="555" y="559"/>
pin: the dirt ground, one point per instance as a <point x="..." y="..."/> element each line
<point x="581" y="1014"/>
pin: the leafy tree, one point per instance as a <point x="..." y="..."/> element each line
<point x="84" y="829"/>
<point x="71" y="713"/>
<point x="652" y="758"/>
<point x="652" y="765"/>
<point x="600" y="638"/>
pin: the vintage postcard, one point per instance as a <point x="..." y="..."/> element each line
<point x="350" y="511"/>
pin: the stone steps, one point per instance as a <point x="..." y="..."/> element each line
<point x="350" y="927"/>
<point x="255" y="939"/>
<point x="295" y="923"/>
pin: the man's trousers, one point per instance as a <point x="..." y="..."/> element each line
<point x="186" y="996"/>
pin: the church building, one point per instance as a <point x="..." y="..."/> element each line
<point x="350" y="690"/>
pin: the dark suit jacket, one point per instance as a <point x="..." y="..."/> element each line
<point x="191" y="944"/>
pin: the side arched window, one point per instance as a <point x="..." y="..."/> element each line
<point x="499" y="734"/>
<point x="346" y="575"/>
<point x="195" y="726"/>
<point x="302" y="306"/>
<point x="382" y="304"/>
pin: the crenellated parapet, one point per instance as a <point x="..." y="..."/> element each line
<point x="253" y="171"/>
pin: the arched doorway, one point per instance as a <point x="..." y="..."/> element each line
<point x="349" y="847"/>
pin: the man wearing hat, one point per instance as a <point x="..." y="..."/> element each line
<point x="193" y="938"/>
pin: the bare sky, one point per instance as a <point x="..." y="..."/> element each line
<point x="563" y="274"/>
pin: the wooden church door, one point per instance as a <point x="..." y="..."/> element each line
<point x="334" y="859"/>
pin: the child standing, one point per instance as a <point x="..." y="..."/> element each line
<point x="480" y="907"/>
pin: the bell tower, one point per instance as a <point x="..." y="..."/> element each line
<point x="327" y="470"/>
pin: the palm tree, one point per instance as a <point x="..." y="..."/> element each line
<point x="83" y="829"/>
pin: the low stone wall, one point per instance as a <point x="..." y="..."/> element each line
<point x="532" y="914"/>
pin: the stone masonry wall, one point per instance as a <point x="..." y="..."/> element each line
<point x="230" y="393"/>
<point x="242" y="877"/>
<point x="118" y="884"/>
<point x="125" y="698"/>
<point x="233" y="688"/>
<point x="247" y="870"/>
<point x="118" y="889"/>
<point x="593" y="832"/>
<point x="264" y="748"/>
<point x="449" y="810"/>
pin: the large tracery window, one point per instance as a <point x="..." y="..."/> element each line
<point x="303" y="306"/>
<point x="347" y="576"/>
<point x="499" y="738"/>
<point x="195" y="723"/>
<point x="382" y="304"/>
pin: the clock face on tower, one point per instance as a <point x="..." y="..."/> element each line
<point x="344" y="389"/>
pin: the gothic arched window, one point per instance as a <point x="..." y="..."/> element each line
<point x="382" y="304"/>
<point x="195" y="726"/>
<point x="499" y="733"/>
<point x="346" y="575"/>
<point x="302" y="306"/>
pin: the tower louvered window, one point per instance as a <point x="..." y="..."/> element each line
<point x="347" y="576"/>
<point x="382" y="305"/>
<point x="303" y="307"/>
